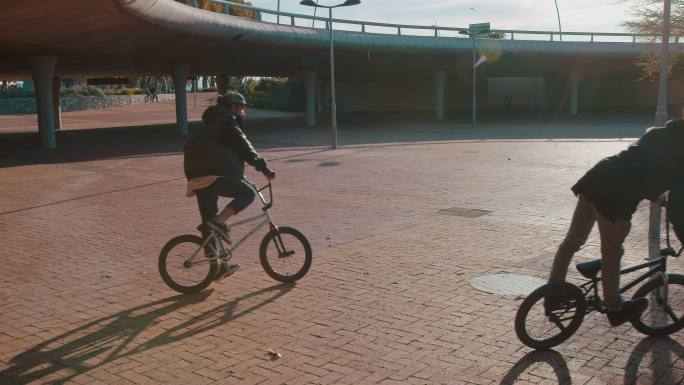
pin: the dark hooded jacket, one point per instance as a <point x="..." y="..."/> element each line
<point x="649" y="167"/>
<point x="220" y="147"/>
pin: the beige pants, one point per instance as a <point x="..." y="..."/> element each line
<point x="613" y="235"/>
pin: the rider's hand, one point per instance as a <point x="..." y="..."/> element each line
<point x="270" y="176"/>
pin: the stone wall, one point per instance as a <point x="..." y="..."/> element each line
<point x="19" y="106"/>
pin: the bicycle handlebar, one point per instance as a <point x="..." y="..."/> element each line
<point x="267" y="204"/>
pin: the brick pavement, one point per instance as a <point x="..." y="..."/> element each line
<point x="388" y="299"/>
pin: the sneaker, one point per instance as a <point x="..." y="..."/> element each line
<point x="630" y="309"/>
<point x="225" y="270"/>
<point x="221" y="229"/>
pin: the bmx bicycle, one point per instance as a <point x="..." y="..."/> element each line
<point x="188" y="263"/>
<point x="541" y="325"/>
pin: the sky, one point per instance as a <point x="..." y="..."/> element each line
<point x="575" y="15"/>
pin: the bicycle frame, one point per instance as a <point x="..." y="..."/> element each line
<point x="594" y="302"/>
<point x="659" y="268"/>
<point x="219" y="249"/>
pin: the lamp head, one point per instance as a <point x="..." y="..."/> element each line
<point x="351" y="2"/>
<point x="310" y="3"/>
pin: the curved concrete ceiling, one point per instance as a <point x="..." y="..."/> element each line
<point x="125" y="37"/>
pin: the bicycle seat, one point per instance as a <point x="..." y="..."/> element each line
<point x="589" y="269"/>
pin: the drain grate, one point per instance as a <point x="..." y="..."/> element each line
<point x="507" y="284"/>
<point x="464" y="212"/>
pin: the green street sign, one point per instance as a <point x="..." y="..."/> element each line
<point x="479" y="28"/>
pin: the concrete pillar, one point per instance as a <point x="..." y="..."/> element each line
<point x="574" y="93"/>
<point x="540" y="84"/>
<point x="320" y="102"/>
<point x="440" y="80"/>
<point x="180" y="77"/>
<point x="57" y="107"/>
<point x="309" y="76"/>
<point x="43" y="70"/>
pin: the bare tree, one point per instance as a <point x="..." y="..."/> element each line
<point x="647" y="19"/>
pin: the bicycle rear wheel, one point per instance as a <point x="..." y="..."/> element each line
<point x="665" y="312"/>
<point x="285" y="254"/>
<point x="183" y="265"/>
<point x="541" y="326"/>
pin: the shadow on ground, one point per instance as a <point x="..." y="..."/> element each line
<point x="125" y="334"/>
<point x="531" y="363"/>
<point x="651" y="361"/>
<point x="152" y="140"/>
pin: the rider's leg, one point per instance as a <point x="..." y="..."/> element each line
<point x="207" y="201"/>
<point x="582" y="222"/>
<point x="613" y="235"/>
<point x="243" y="193"/>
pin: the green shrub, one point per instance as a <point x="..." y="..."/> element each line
<point x="17" y="93"/>
<point x="282" y="94"/>
<point x="125" y="91"/>
<point x="81" y="90"/>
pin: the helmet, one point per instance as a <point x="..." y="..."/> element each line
<point x="233" y="98"/>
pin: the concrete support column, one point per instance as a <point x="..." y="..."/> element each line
<point x="440" y="80"/>
<point x="180" y="77"/>
<point x="540" y="84"/>
<point x="573" y="85"/>
<point x="57" y="106"/>
<point x="309" y="76"/>
<point x="320" y="101"/>
<point x="43" y="70"/>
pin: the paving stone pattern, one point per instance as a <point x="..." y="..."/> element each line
<point x="388" y="299"/>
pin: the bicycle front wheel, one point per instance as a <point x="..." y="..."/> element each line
<point x="183" y="265"/>
<point x="665" y="312"/>
<point x="285" y="254"/>
<point x="550" y="315"/>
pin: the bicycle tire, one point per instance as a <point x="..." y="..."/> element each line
<point x="271" y="242"/>
<point x="649" y="321"/>
<point x="533" y="314"/>
<point x="185" y="244"/>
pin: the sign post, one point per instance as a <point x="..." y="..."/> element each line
<point x="474" y="30"/>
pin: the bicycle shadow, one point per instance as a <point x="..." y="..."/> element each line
<point x="120" y="335"/>
<point x="663" y="352"/>
<point x="530" y="361"/>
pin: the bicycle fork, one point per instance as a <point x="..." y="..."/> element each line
<point x="278" y="240"/>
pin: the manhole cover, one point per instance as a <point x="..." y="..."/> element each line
<point x="464" y="212"/>
<point x="507" y="284"/>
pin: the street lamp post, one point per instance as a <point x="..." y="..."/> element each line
<point x="660" y="119"/>
<point x="473" y="32"/>
<point x="560" y="31"/>
<point x="333" y="104"/>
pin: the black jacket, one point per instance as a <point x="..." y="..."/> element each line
<point x="649" y="167"/>
<point x="220" y="147"/>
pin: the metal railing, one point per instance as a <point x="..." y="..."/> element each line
<point x="307" y="21"/>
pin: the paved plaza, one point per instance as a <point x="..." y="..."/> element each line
<point x="402" y="218"/>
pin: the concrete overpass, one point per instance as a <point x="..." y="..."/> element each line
<point x="378" y="66"/>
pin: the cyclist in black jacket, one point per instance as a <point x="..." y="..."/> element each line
<point x="609" y="193"/>
<point x="214" y="163"/>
